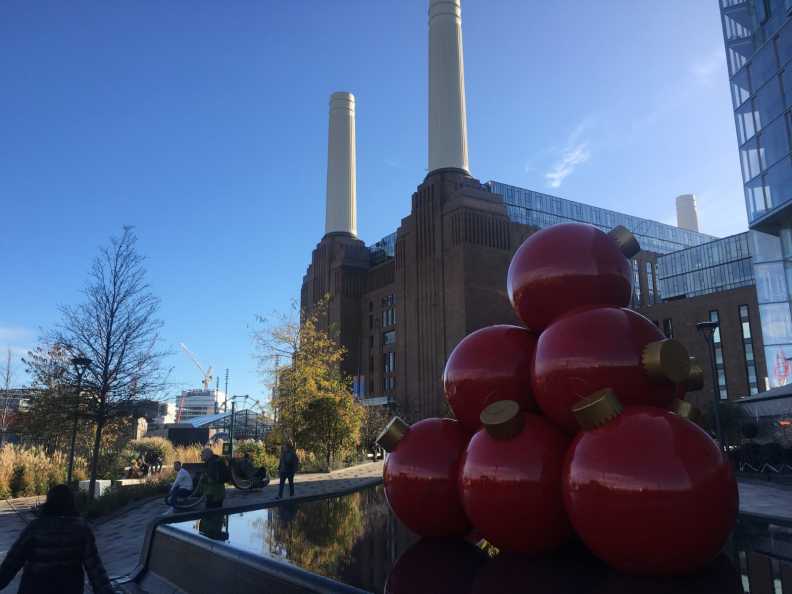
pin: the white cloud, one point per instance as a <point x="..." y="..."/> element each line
<point x="575" y="154"/>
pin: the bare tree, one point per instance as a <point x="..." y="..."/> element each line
<point x="117" y="329"/>
<point x="7" y="375"/>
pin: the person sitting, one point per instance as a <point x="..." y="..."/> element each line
<point x="183" y="484"/>
<point x="53" y="550"/>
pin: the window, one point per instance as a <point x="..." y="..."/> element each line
<point x="371" y="305"/>
<point x="389" y="337"/>
<point x="650" y="294"/>
<point x="371" y="341"/>
<point x="773" y="142"/>
<point x="389" y="363"/>
<point x="636" y="284"/>
<point x="750" y="363"/>
<point x="371" y="322"/>
<point x="668" y="328"/>
<point x="720" y="366"/>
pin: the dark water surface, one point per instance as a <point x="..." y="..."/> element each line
<point x="356" y="540"/>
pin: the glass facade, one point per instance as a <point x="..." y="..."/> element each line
<point x="383" y="249"/>
<point x="758" y="39"/>
<point x="715" y="266"/>
<point x="542" y="210"/>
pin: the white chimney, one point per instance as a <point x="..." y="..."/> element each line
<point x="447" y="121"/>
<point x="341" y="215"/>
<point x="687" y="216"/>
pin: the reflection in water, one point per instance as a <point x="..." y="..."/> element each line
<point x="214" y="526"/>
<point x="356" y="540"/>
<point x="353" y="539"/>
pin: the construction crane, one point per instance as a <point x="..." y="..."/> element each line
<point x="207" y="378"/>
<point x="207" y="375"/>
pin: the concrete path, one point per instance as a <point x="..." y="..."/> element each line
<point x="119" y="538"/>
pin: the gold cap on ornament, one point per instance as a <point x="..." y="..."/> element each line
<point x="502" y="419"/>
<point x="666" y="361"/>
<point x="695" y="380"/>
<point x="684" y="409"/>
<point x="597" y="409"/>
<point x="393" y="433"/>
<point x="626" y="241"/>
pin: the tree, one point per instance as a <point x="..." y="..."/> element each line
<point x="5" y="412"/>
<point x="374" y="420"/>
<point x="117" y="329"/>
<point x="331" y="426"/>
<point x="308" y="364"/>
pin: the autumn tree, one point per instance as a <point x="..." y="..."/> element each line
<point x="311" y="398"/>
<point x="116" y="327"/>
<point x="6" y="375"/>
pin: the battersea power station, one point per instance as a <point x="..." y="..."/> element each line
<point x="402" y="304"/>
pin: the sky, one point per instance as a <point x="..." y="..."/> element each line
<point x="204" y="125"/>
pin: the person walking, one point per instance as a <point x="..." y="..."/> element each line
<point x="287" y="467"/>
<point x="213" y="479"/>
<point x="53" y="550"/>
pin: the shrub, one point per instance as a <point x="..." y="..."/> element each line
<point x="258" y="453"/>
<point x="147" y="446"/>
<point x="19" y="483"/>
<point x="33" y="470"/>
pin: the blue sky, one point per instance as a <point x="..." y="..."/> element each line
<point x="204" y="125"/>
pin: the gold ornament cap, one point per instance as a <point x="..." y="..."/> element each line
<point x="695" y="380"/>
<point x="626" y="241"/>
<point x="502" y="419"/>
<point x="684" y="409"/>
<point x="597" y="409"/>
<point x="666" y="361"/>
<point x="393" y="433"/>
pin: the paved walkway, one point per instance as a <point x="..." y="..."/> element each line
<point x="120" y="538"/>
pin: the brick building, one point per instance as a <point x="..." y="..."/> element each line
<point x="402" y="304"/>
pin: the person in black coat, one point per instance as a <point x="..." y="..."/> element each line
<point x="53" y="550"/>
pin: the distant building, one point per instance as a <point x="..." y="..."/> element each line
<point x="198" y="403"/>
<point x="687" y="214"/>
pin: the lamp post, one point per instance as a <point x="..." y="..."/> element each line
<point x="707" y="330"/>
<point x="80" y="366"/>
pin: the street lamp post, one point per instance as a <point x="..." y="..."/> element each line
<point x="707" y="330"/>
<point x="80" y="365"/>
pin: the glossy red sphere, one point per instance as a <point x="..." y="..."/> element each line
<point x="511" y="489"/>
<point x="564" y="267"/>
<point x="488" y="365"/>
<point x="650" y="493"/>
<point x="592" y="349"/>
<point x="435" y="566"/>
<point x="420" y="478"/>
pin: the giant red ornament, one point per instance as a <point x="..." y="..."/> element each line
<point x="420" y="475"/>
<point x="647" y="491"/>
<point x="567" y="266"/>
<point x="600" y="347"/>
<point x="510" y="480"/>
<point x="436" y="566"/>
<point x="488" y="365"/>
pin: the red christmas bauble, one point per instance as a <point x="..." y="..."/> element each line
<point x="601" y="347"/>
<point x="488" y="365"/>
<point x="420" y="476"/>
<point x="564" y="267"/>
<point x="647" y="491"/>
<point x="435" y="566"/>
<point x="511" y="484"/>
